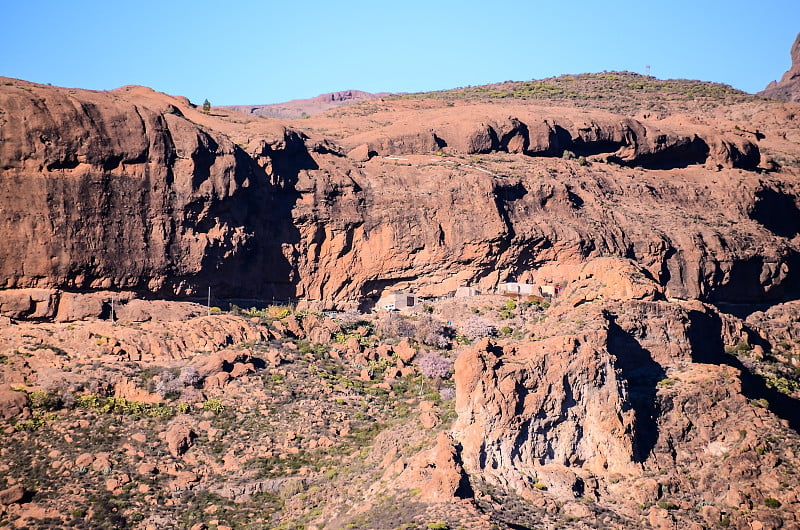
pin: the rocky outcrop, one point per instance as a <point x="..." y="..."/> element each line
<point x="124" y="192"/>
<point x="551" y="133"/>
<point x="788" y="88"/>
<point x="640" y="389"/>
<point x="555" y="402"/>
<point x="436" y="473"/>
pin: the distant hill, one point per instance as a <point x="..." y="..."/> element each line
<point x="299" y="108"/>
<point x="621" y="92"/>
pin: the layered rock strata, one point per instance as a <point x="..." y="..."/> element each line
<point x="137" y="191"/>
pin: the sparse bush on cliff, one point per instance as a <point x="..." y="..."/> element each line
<point x="278" y="312"/>
<point x="189" y="376"/>
<point x="447" y="393"/>
<point x="475" y="328"/>
<point x="426" y="330"/>
<point x="171" y="384"/>
<point x="393" y="325"/>
<point x="432" y="332"/>
<point x="50" y="399"/>
<point x="435" y="365"/>
<point x="214" y="405"/>
<point x="740" y="348"/>
<point x="351" y="319"/>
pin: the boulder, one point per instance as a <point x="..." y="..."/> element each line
<point x="179" y="438"/>
<point x="12" y="403"/>
<point x="360" y="153"/>
<point x="14" y="494"/>
<point x="29" y="303"/>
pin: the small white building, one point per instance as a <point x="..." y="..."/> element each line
<point x="516" y="288"/>
<point x="397" y="300"/>
<point x="549" y="290"/>
<point x="466" y="292"/>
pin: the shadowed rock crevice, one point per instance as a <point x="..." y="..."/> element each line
<point x="642" y="374"/>
<point x="683" y="153"/>
<point x="777" y="211"/>
<point x="464" y="489"/>
<point x="705" y="336"/>
<point x="757" y="281"/>
<point x="626" y="141"/>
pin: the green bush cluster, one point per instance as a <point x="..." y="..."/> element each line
<point x="115" y="405"/>
<point x="214" y="405"/>
<point x="35" y="422"/>
<point x="739" y="348"/>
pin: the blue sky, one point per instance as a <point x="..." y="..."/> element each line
<point x="249" y="52"/>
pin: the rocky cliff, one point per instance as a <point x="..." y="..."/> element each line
<point x="120" y="190"/>
<point x="632" y="401"/>
<point x="139" y="191"/>
<point x="788" y="88"/>
<point x="638" y="408"/>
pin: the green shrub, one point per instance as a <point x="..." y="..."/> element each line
<point x="88" y="401"/>
<point x="279" y="311"/>
<point x="214" y="405"/>
<point x="47" y="400"/>
<point x="740" y="348"/>
<point x="769" y="502"/>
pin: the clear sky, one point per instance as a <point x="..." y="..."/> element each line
<point x="250" y="52"/>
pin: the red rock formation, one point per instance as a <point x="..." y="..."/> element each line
<point x="788" y="88"/>
<point x="642" y="389"/>
<point x="550" y="132"/>
<point x="137" y="191"/>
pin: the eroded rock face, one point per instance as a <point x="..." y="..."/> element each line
<point x="126" y="193"/>
<point x="641" y="389"/>
<point x="788" y="88"/>
<point x="168" y="204"/>
<point x="551" y="133"/>
<point x="557" y="401"/>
